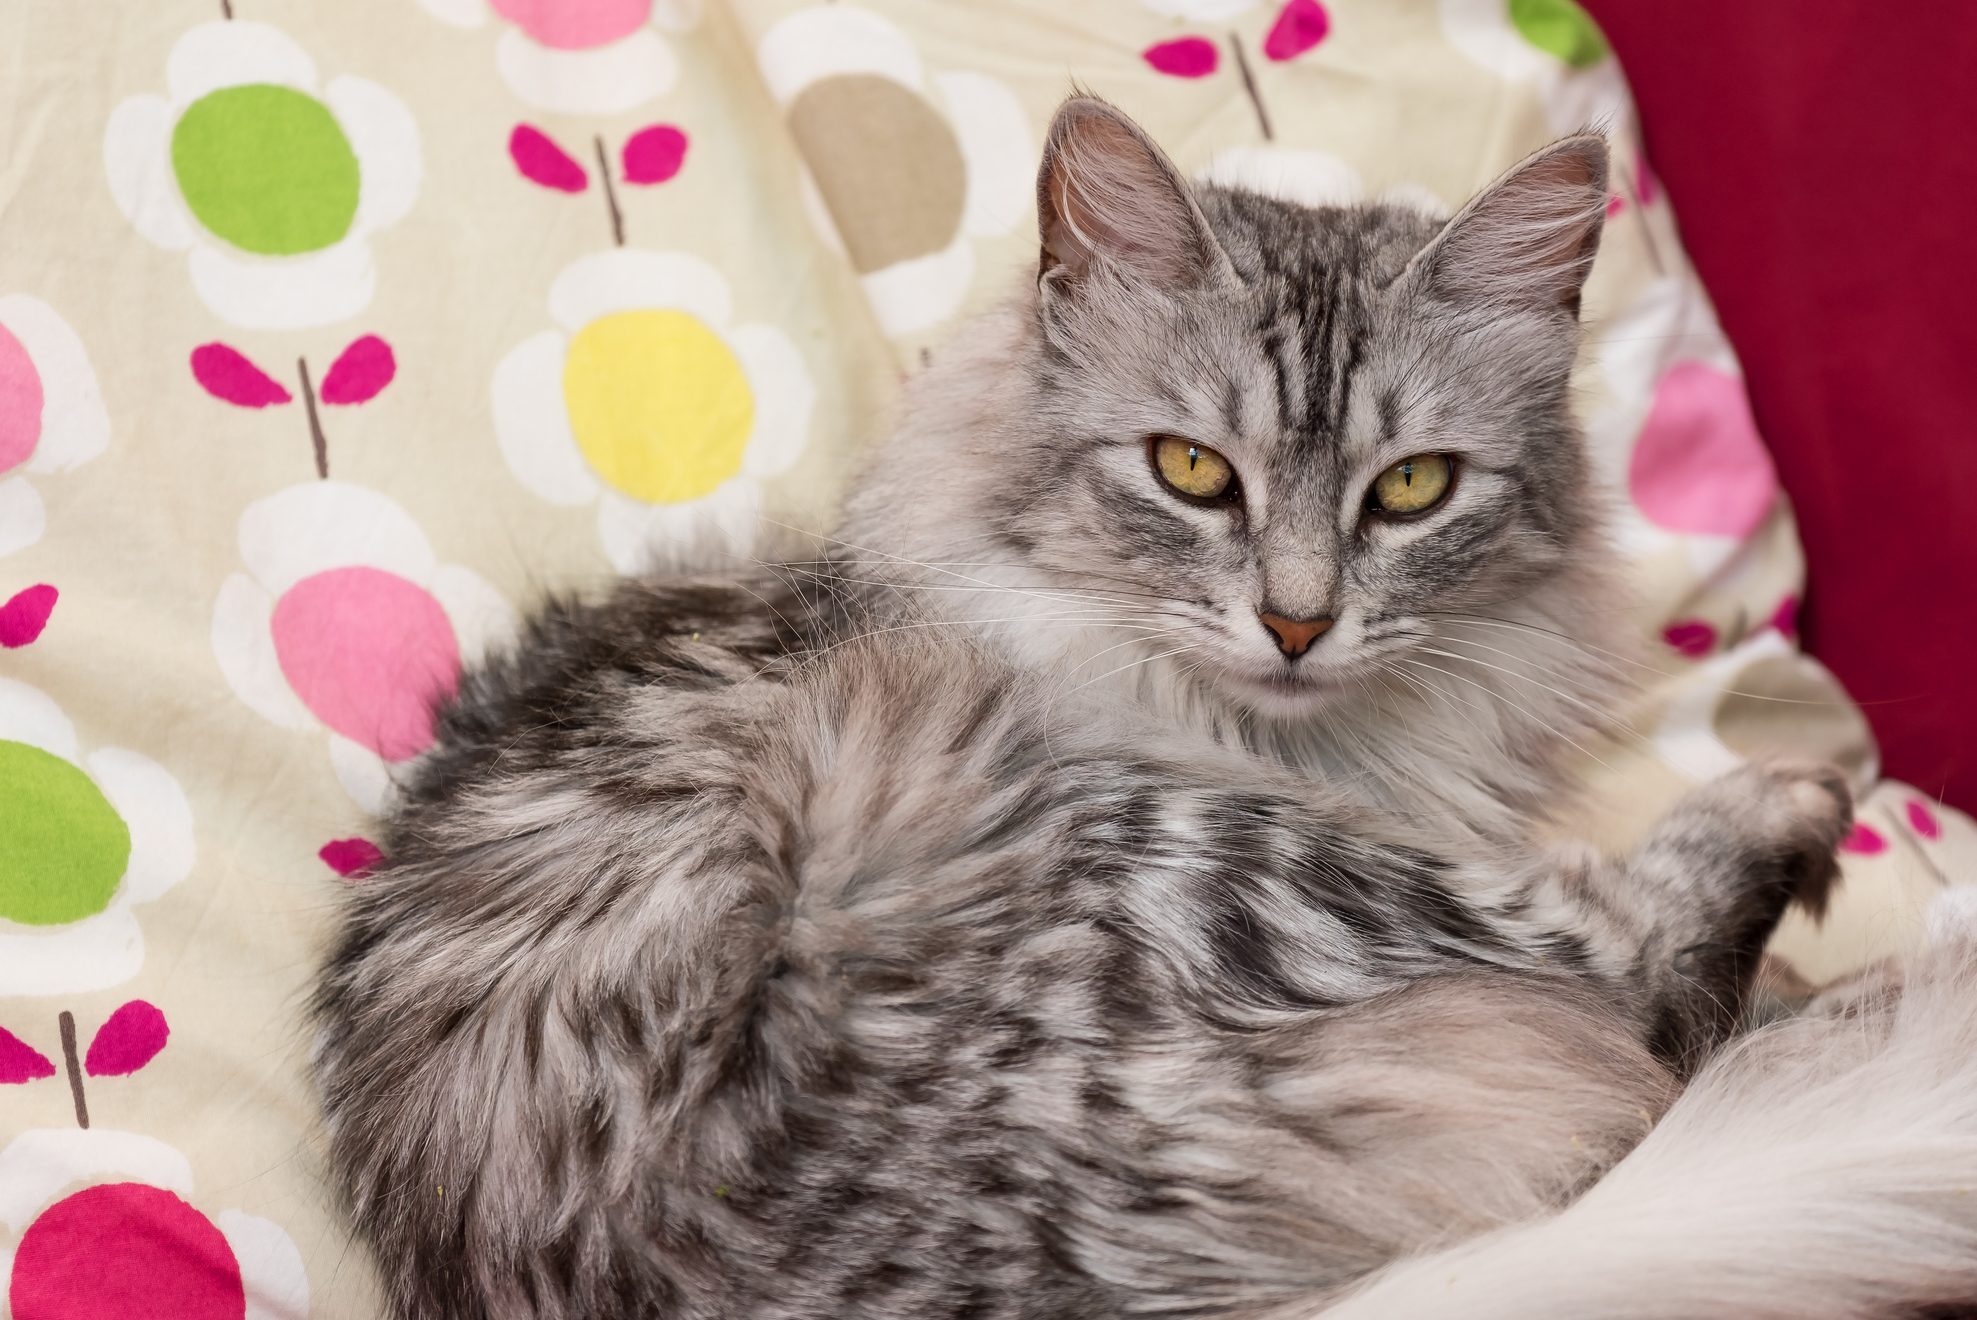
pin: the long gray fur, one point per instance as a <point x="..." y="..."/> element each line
<point x="842" y="938"/>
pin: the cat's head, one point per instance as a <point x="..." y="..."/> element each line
<point x="1291" y="440"/>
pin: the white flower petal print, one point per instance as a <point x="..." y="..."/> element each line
<point x="631" y="542"/>
<point x="329" y="286"/>
<point x="226" y="54"/>
<point x="818" y="212"/>
<point x="783" y="398"/>
<point x="75" y="426"/>
<point x="362" y="773"/>
<point x="1310" y="178"/>
<point x="303" y="530"/>
<point x="244" y="645"/>
<point x="841" y="39"/>
<point x="640" y="538"/>
<point x="22" y="519"/>
<point x="676" y="15"/>
<point x="29" y="715"/>
<point x="625" y="279"/>
<point x="459" y="13"/>
<point x="915" y="295"/>
<point x="730" y="517"/>
<point x="1417" y="197"/>
<point x="271" y="1269"/>
<point x="481" y="616"/>
<point x="94" y="953"/>
<point x="994" y="133"/>
<point x="606" y="80"/>
<point x="385" y="136"/>
<point x="125" y="837"/>
<point x="1200" y="11"/>
<point x="41" y="1161"/>
<point x="52" y="416"/>
<point x="159" y="818"/>
<point x="137" y="156"/>
<point x="532" y="425"/>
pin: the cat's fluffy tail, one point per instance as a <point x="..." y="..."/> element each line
<point x="1824" y="1168"/>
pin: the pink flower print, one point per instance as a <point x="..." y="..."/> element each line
<point x="51" y="412"/>
<point x="346" y="622"/>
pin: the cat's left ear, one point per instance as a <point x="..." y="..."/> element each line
<point x="1530" y="237"/>
<point x="1109" y="200"/>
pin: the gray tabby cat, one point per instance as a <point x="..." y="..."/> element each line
<point x="841" y="939"/>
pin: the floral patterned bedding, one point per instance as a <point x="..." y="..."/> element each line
<point x="330" y="335"/>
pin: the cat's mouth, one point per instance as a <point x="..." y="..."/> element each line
<point x="1284" y="689"/>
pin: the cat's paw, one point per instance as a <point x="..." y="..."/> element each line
<point x="1789" y="818"/>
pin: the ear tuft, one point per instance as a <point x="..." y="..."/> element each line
<point x="1108" y="197"/>
<point x="1530" y="237"/>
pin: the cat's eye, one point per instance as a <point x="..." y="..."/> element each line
<point x="1193" y="470"/>
<point x="1413" y="485"/>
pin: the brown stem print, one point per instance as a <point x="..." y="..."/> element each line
<point x="67" y="1021"/>
<point x="610" y="192"/>
<point x="316" y="436"/>
<point x="226" y="12"/>
<point x="1249" y="85"/>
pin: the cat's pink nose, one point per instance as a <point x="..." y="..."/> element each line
<point x="1294" y="636"/>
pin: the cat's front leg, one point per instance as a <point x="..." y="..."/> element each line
<point x="1679" y="924"/>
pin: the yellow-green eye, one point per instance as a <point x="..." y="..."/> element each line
<point x="1194" y="470"/>
<point x="1413" y="485"/>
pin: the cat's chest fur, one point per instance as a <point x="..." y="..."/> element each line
<point x="1468" y="758"/>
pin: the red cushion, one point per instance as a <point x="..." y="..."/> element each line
<point x="1822" y="162"/>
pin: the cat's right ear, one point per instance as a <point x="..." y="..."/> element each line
<point x="1109" y="200"/>
<point x="1530" y="237"/>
